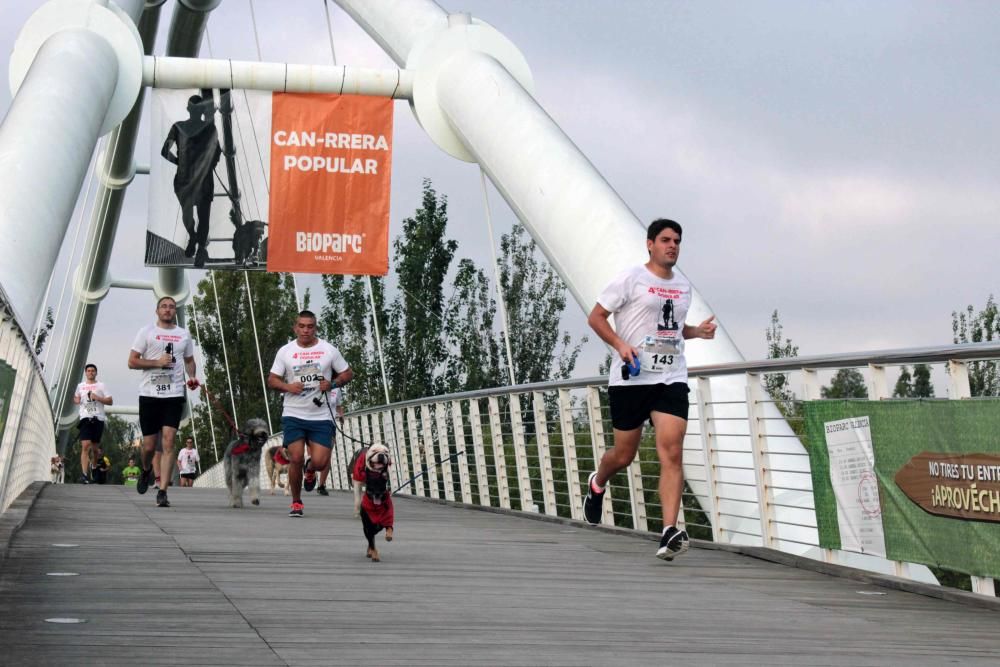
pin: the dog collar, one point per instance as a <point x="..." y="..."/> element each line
<point x="241" y="448"/>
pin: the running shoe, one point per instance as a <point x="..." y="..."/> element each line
<point x="321" y="490"/>
<point x="84" y="480"/>
<point x="593" y="503"/>
<point x="309" y="480"/>
<point x="297" y="510"/>
<point x="161" y="499"/>
<point x="143" y="484"/>
<point x="673" y="543"/>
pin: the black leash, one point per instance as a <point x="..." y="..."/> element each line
<point x="437" y="462"/>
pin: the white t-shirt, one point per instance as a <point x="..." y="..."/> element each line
<point x="90" y="409"/>
<point x="308" y="365"/>
<point x="151" y="342"/>
<point x="649" y="315"/>
<point x="187" y="460"/>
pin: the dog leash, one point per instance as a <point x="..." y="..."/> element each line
<point x="218" y="406"/>
<point x="425" y="470"/>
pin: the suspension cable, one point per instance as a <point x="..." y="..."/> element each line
<point x="197" y="333"/>
<point x="260" y="362"/>
<point x="496" y="279"/>
<point x="225" y="355"/>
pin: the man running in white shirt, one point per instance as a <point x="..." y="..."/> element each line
<point x="649" y="302"/>
<point x="306" y="370"/>
<point x="91" y="396"/>
<point x="158" y="351"/>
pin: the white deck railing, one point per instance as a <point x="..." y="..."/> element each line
<point x="531" y="447"/>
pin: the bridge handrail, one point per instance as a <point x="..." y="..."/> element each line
<point x="27" y="441"/>
<point x="530" y="447"/>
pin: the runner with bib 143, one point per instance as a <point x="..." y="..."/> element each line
<point x="649" y="374"/>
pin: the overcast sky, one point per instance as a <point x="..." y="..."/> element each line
<point x="836" y="161"/>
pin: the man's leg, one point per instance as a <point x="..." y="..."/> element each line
<point x="319" y="458"/>
<point x="321" y="489"/>
<point x="167" y="456"/>
<point x="626" y="444"/>
<point x="670" y="431"/>
<point x="86" y="455"/>
<point x="296" y="458"/>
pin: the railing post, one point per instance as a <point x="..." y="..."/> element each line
<point x="879" y="391"/>
<point x="569" y="454"/>
<point x="427" y="443"/>
<point x="811" y="392"/>
<point x="544" y="457"/>
<point x="960" y="389"/>
<point x="520" y="454"/>
<point x="597" y="443"/>
<point x="499" y="456"/>
<point x="758" y="435"/>
<point x="444" y="450"/>
<point x="461" y="445"/>
<point x="706" y="415"/>
<point x="402" y="462"/>
<point x="413" y="463"/>
<point x="416" y="448"/>
<point x="482" y="476"/>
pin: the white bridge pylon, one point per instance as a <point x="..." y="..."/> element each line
<point x="468" y="85"/>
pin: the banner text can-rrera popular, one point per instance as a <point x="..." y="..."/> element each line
<point x="331" y="160"/>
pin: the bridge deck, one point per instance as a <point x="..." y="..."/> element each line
<point x="203" y="584"/>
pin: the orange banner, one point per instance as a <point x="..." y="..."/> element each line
<point x="331" y="158"/>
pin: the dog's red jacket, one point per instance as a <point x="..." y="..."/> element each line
<point x="381" y="514"/>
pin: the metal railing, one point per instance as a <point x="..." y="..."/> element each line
<point x="531" y="448"/>
<point x="27" y="434"/>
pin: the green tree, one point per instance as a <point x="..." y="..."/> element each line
<point x="423" y="257"/>
<point x="223" y="310"/>
<point x="470" y="318"/>
<point x="969" y="326"/>
<point x="922" y="385"/>
<point x="847" y="383"/>
<point x="535" y="298"/>
<point x="778" y="347"/>
<point x="904" y="384"/>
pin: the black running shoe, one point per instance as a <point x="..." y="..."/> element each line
<point x="673" y="543"/>
<point x="161" y="499"/>
<point x="309" y="480"/>
<point x="84" y="480"/>
<point x="321" y="490"/>
<point x="296" y="510"/>
<point x="143" y="484"/>
<point x="594" y="502"/>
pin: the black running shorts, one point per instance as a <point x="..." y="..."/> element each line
<point x="91" y="429"/>
<point x="631" y="405"/>
<point x="155" y="413"/>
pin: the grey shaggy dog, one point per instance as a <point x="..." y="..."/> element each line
<point x="242" y="462"/>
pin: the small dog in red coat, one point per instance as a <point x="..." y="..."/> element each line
<point x="371" y="471"/>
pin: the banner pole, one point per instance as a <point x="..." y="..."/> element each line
<point x="496" y="278"/>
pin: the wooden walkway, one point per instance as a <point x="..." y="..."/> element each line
<point x="201" y="584"/>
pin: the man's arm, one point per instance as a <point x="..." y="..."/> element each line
<point x="76" y="396"/>
<point x="704" y="330"/>
<point x="136" y="362"/>
<point x="598" y="321"/>
<point x="343" y="377"/>
<point x="107" y="400"/>
<point x="275" y="382"/>
<point x="191" y="367"/>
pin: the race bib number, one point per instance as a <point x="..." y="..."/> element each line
<point x="90" y="407"/>
<point x="161" y="384"/>
<point x="658" y="354"/>
<point x="308" y="375"/>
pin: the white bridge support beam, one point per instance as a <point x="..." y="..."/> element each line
<point x="116" y="169"/>
<point x="46" y="142"/>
